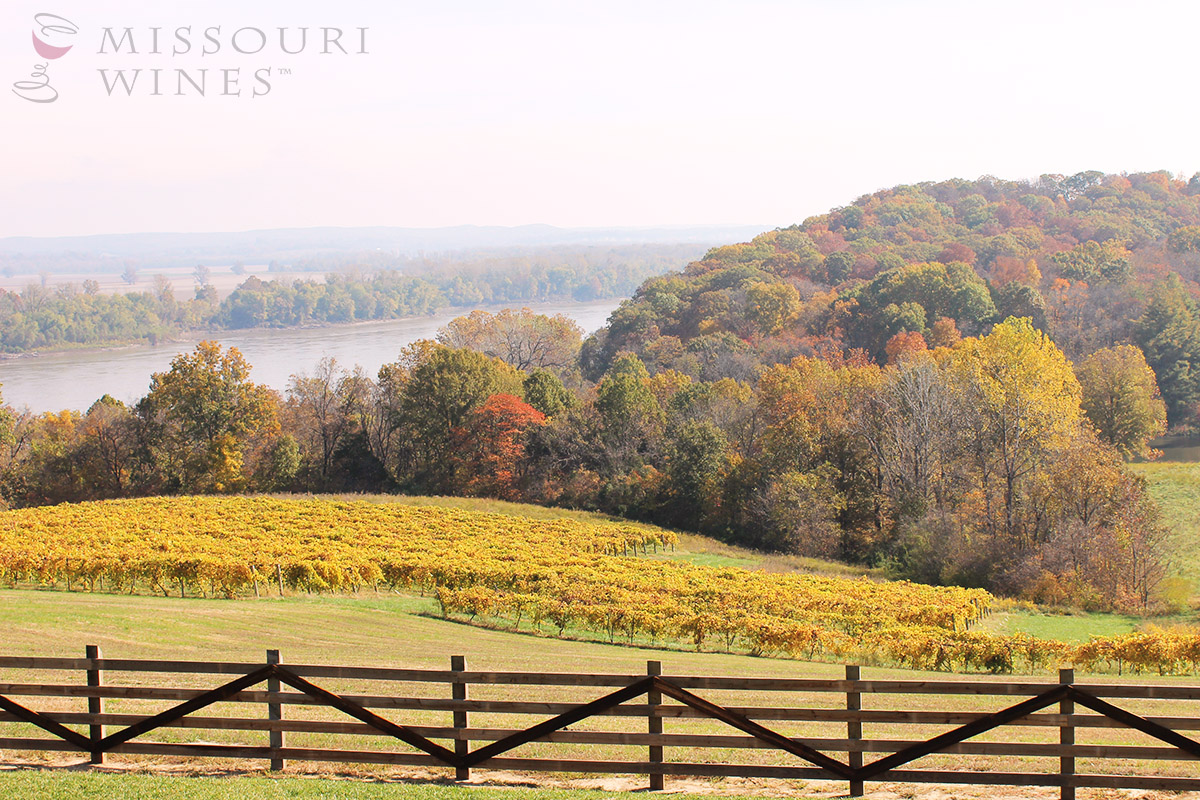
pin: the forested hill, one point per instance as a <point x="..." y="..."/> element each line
<point x="1094" y="260"/>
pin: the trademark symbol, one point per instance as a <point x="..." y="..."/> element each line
<point x="284" y="71"/>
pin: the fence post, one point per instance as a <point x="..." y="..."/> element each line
<point x="458" y="691"/>
<point x="95" y="704"/>
<point x="275" y="714"/>
<point x="854" y="728"/>
<point x="1066" y="735"/>
<point x="654" y="726"/>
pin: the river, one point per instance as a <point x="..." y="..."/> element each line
<point x="76" y="378"/>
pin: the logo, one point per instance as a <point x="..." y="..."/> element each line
<point x="52" y="35"/>
<point x="185" y="61"/>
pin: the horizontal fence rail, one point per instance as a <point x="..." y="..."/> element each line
<point x="691" y="725"/>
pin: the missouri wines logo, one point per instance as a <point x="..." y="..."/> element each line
<point x="52" y="39"/>
<point x="184" y="60"/>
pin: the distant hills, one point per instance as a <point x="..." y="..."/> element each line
<point x="313" y="248"/>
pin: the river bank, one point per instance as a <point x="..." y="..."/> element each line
<point x="75" y="378"/>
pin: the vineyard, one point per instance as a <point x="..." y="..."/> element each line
<point x="560" y="577"/>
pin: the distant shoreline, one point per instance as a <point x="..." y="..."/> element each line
<point x="216" y="333"/>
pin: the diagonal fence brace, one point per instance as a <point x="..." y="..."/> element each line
<point x="183" y="709"/>
<point x="747" y="725"/>
<point x="960" y="734"/>
<point x="1161" y="732"/>
<point x="561" y="721"/>
<point x="353" y="709"/>
<point x="45" y="723"/>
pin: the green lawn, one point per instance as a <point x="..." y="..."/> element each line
<point x="28" y="784"/>
<point x="376" y="630"/>
<point x="1176" y="487"/>
<point x="1076" y="627"/>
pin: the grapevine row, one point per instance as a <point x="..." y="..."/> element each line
<point x="557" y="576"/>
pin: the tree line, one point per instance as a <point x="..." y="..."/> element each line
<point x="988" y="461"/>
<point x="42" y="317"/>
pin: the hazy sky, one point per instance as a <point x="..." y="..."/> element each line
<point x="581" y="114"/>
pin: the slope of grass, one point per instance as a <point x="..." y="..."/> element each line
<point x="378" y="630"/>
<point x="1076" y="627"/>
<point x="1176" y="488"/>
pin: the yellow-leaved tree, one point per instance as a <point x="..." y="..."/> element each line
<point x="1022" y="405"/>
<point x="204" y="415"/>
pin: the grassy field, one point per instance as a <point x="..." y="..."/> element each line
<point x="383" y="630"/>
<point x="1176" y="487"/>
<point x="1073" y="626"/>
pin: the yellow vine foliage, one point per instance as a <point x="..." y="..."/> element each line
<point x="558" y="576"/>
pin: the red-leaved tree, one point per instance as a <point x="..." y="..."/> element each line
<point x="489" y="447"/>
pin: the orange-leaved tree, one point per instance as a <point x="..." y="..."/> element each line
<point x="489" y="447"/>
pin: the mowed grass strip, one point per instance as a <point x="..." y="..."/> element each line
<point x="30" y="784"/>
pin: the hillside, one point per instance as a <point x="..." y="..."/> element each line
<point x="1176" y="488"/>
<point x="1086" y="257"/>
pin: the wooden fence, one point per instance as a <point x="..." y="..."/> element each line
<point x="671" y="722"/>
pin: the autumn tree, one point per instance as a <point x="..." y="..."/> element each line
<point x="1121" y="398"/>
<point x="697" y="456"/>
<point x="521" y="338"/>
<point x="1094" y="262"/>
<point x="910" y="424"/>
<point x="431" y="397"/>
<point x="106" y="454"/>
<point x="545" y="391"/>
<point x="807" y="408"/>
<point x="771" y="306"/>
<point x="205" y="415"/>
<point x="1024" y="403"/>
<point x="798" y="512"/>
<point x="903" y="345"/>
<point x="1108" y="545"/>
<point x="323" y="412"/>
<point x="7" y="421"/>
<point x="838" y="266"/>
<point x="489" y="446"/>
<point x="944" y="333"/>
<point x="41" y="470"/>
<point x="629" y="412"/>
